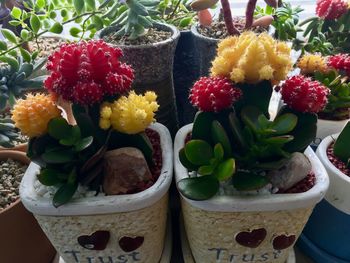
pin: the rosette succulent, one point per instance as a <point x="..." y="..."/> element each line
<point x="234" y="142"/>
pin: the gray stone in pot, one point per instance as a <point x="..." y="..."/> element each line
<point x="153" y="66"/>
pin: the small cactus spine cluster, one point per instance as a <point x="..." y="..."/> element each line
<point x="340" y="62"/>
<point x="312" y="63"/>
<point x="331" y="9"/>
<point x="251" y="59"/>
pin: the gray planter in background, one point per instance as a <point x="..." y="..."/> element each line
<point x="153" y="66"/>
<point x="205" y="50"/>
<point x="186" y="72"/>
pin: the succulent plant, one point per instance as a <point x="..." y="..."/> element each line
<point x="135" y="17"/>
<point x="341" y="63"/>
<point x="342" y="144"/>
<point x="7" y="133"/>
<point x="239" y="143"/>
<point x="15" y="79"/>
<point x="309" y="64"/>
<point x="328" y="33"/>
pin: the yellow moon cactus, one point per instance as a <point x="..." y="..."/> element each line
<point x="311" y="63"/>
<point x="131" y="115"/>
<point x="32" y="114"/>
<point x="251" y="58"/>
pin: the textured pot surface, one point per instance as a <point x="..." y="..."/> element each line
<point x="22" y="238"/>
<point x="153" y="66"/>
<point x="265" y="227"/>
<point x="186" y="72"/>
<point x="133" y="225"/>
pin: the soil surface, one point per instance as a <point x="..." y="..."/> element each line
<point x="11" y="173"/>
<point x="336" y="161"/>
<point x="303" y="186"/>
<point x="152" y="36"/>
<point x="47" y="45"/>
<point x="218" y="30"/>
<point x="337" y="115"/>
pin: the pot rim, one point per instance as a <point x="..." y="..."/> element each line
<point x="322" y="154"/>
<point x="273" y="202"/>
<point x="175" y="35"/>
<point x="103" y="204"/>
<point x="4" y="155"/>
<point x="331" y="122"/>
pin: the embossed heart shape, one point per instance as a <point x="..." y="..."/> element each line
<point x="96" y="241"/>
<point x="283" y="242"/>
<point x="251" y="239"/>
<point x="129" y="244"/>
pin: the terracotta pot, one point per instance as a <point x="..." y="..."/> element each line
<point x="241" y="229"/>
<point x="22" y="239"/>
<point x="153" y="66"/>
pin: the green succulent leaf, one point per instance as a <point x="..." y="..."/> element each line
<point x="64" y="194"/>
<point x="198" y="152"/>
<point x="58" y="157"/>
<point x="56" y="28"/>
<point x="219" y="135"/>
<point x="247" y="181"/>
<point x="342" y="144"/>
<point x="3" y="45"/>
<point x="218" y="152"/>
<point x="59" y="128"/>
<point x="201" y="126"/>
<point x="185" y="162"/>
<point x="83" y="144"/>
<point x="50" y="177"/>
<point x="206" y="170"/>
<point x="9" y="35"/>
<point x="285" y="123"/>
<point x="199" y="188"/>
<point x="35" y="23"/>
<point x="79" y="6"/>
<point x="225" y="169"/>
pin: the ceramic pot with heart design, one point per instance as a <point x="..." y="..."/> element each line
<point x="326" y="235"/>
<point x="240" y="229"/>
<point x="114" y="228"/>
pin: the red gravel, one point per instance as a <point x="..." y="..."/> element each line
<point x="303" y="186"/>
<point x="157" y="160"/>
<point x="336" y="161"/>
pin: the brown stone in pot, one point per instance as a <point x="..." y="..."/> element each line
<point x="22" y="239"/>
<point x="125" y="169"/>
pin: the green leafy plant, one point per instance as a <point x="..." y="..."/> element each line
<point x="327" y="36"/>
<point x="286" y="19"/>
<point x="7" y="133"/>
<point x="15" y="78"/>
<point x="339" y="98"/>
<point x="342" y="144"/>
<point x="177" y="12"/>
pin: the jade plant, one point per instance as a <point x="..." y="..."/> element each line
<point x="332" y="72"/>
<point x="90" y="88"/>
<point x="341" y="145"/>
<point x="202" y="6"/>
<point x="233" y="138"/>
<point x="328" y="32"/>
<point x="15" y="78"/>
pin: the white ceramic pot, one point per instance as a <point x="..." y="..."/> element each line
<point x="217" y="228"/>
<point x="338" y="193"/>
<point x="328" y="127"/>
<point x="136" y="223"/>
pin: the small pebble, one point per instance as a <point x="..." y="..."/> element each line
<point x="11" y="173"/>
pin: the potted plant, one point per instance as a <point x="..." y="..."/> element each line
<point x="207" y="33"/>
<point x="328" y="244"/>
<point x="149" y="47"/>
<point x="331" y="71"/>
<point x="22" y="238"/>
<point x="328" y="32"/>
<point x="247" y="183"/>
<point x="77" y="178"/>
<point x="180" y="14"/>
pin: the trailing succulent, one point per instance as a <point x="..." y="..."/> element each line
<point x="332" y="72"/>
<point x="106" y="116"/>
<point x="328" y="32"/>
<point x="233" y="138"/>
<point x="15" y="79"/>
